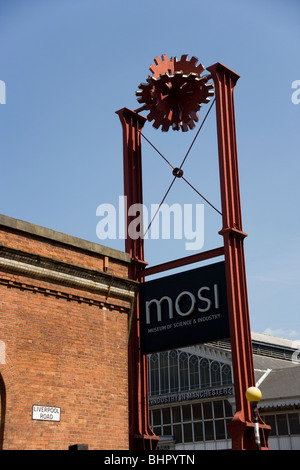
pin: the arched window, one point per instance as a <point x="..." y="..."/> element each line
<point x="194" y="372"/>
<point x="175" y="370"/>
<point x="173" y="365"/>
<point x="215" y="374"/>
<point x="154" y="374"/>
<point x="164" y="372"/>
<point x="183" y="371"/>
<point x="226" y="375"/>
<point x="204" y="373"/>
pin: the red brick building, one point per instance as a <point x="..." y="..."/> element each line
<point x="65" y="306"/>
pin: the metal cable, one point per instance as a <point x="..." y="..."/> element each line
<point x="201" y="195"/>
<point x="153" y="146"/>
<point x="167" y="161"/>
<point x="197" y="133"/>
<point x="160" y="206"/>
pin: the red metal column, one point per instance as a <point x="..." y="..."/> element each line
<point x="141" y="435"/>
<point x="241" y="427"/>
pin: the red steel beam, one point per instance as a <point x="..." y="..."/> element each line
<point x="181" y="262"/>
<point x="242" y="427"/>
<point x="141" y="436"/>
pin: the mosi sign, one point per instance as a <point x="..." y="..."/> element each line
<point x="184" y="309"/>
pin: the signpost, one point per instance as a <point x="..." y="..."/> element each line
<point x="45" y="413"/>
<point x="184" y="309"/>
<point x="192" y="395"/>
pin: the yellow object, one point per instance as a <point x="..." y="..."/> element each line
<point x="253" y="394"/>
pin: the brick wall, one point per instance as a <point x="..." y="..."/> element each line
<point x="64" y="310"/>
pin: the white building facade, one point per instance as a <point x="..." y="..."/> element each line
<point x="191" y="394"/>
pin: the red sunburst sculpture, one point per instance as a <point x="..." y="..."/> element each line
<point x="174" y="92"/>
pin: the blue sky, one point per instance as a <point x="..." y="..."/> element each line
<point x="68" y="65"/>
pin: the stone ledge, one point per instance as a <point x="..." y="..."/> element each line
<point x="27" y="264"/>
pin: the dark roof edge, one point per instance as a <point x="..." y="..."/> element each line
<point x="49" y="234"/>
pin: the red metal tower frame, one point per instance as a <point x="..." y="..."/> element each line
<point x="241" y="427"/>
<point x="141" y="435"/>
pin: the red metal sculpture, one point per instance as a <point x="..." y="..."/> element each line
<point x="173" y="95"/>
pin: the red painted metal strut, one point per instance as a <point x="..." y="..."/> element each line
<point x="181" y="262"/>
<point x="141" y="436"/>
<point x="241" y="427"/>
